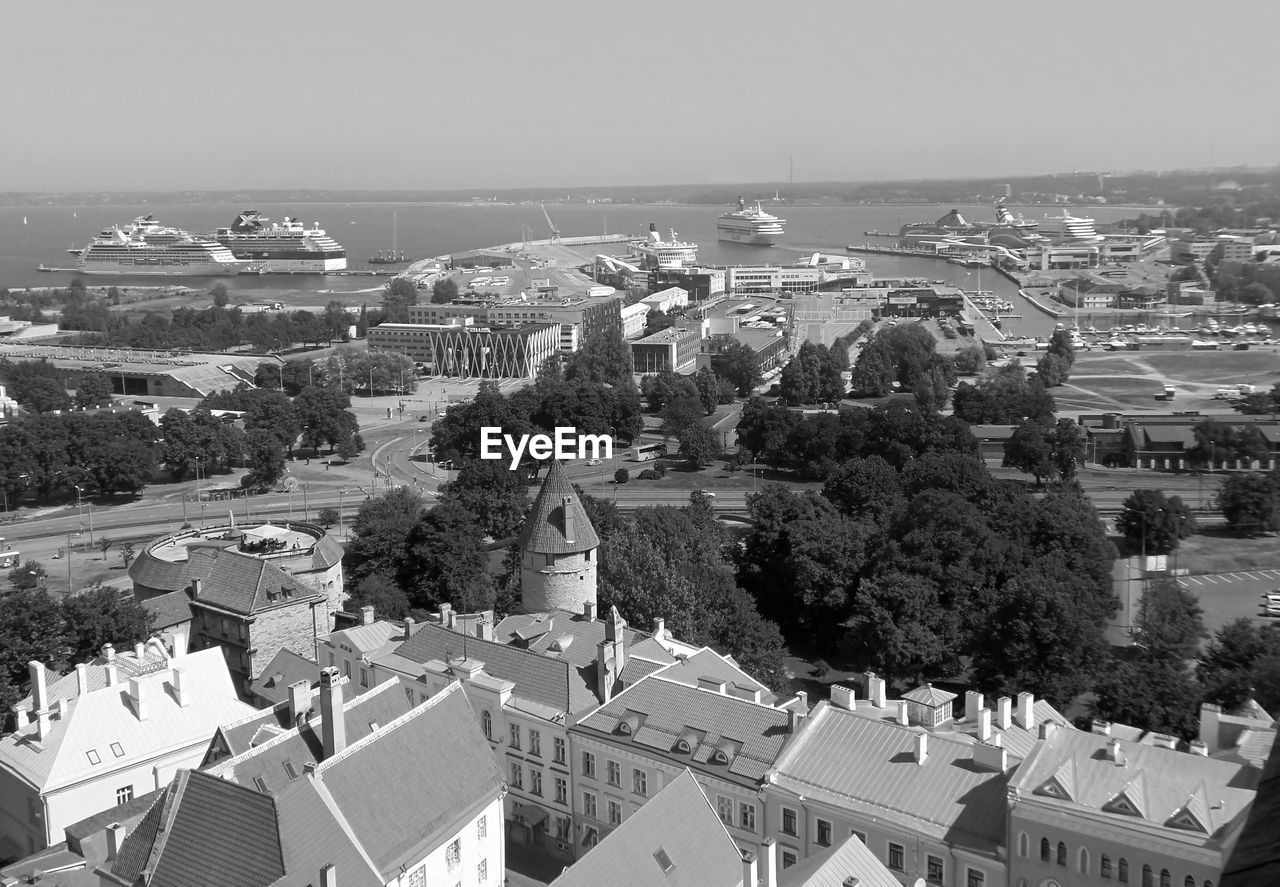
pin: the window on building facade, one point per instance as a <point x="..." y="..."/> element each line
<point x="589" y="804"/>
<point x="517" y="776"/>
<point x="558" y="750"/>
<point x="615" y="813"/>
<point x="364" y="676"/>
<point x="482" y="870"/>
<point x="789" y="859"/>
<point x="724" y="807"/>
<point x="562" y="791"/>
<point x="640" y="783"/>
<point x="861" y="836"/>
<point x="515" y="736"/>
<point x="615" y="773"/>
<point x="747" y="816"/>
<point x="1188" y="881"/>
<point x="1045" y="850"/>
<point x="346" y="668"/>
<point x="482" y="827"/>
<point x="453" y="854"/>
<point x="418" y="878"/>
<point x="591" y="839"/>
<point x="824" y="833"/>
<point x="1104" y="866"/>
<point x="588" y="764"/>
<point x="896" y="857"/>
<point x="486" y="724"/>
<point x="563" y="824"/>
<point x="1122" y="871"/>
<point x="124" y="795"/>
<point x="1024" y="844"/>
<point x="1062" y="853"/>
<point x="1148" y="877"/>
<point x="1166" y="879"/>
<point x="535" y="782"/>
<point x="535" y="743"/>
<point x="788" y="821"/>
<point x="1083" y="862"/>
<point x="933" y="870"/>
<point x="975" y="878"/>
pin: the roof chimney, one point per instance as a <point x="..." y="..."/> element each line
<point x="109" y="653"/>
<point x="1004" y="706"/>
<point x="138" y="695"/>
<point x="567" y="511"/>
<point x="39" y="698"/>
<point x="589" y="611"/>
<point x="366" y="615"/>
<point x="1026" y="716"/>
<point x="181" y="693"/>
<point x="197" y="586"/>
<point x="1102" y="728"/>
<point x="1199" y="748"/>
<point x="989" y="756"/>
<point x="299" y="701"/>
<point x="902" y="712"/>
<point x="484" y="628"/>
<point x="843" y="697"/>
<point x="408" y="627"/>
<point x="972" y="705"/>
<point x="875" y="689"/>
<point x="1164" y="740"/>
<point x="1047" y="729"/>
<point x="115" y="837"/>
<point x="659" y="628"/>
<point x="749" y="876"/>
<point x="444" y="613"/>
<point x="769" y="862"/>
<point x="984" y="724"/>
<point x="110" y="671"/>
<point x="333" y="727"/>
<point x="140" y="652"/>
<point x="82" y="679"/>
<point x="329" y="876"/>
<point x="922" y="748"/>
<point x="1114" y="752"/>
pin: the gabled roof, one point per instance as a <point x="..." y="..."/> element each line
<point x="834" y="866"/>
<point x="403" y="789"/>
<point x="366" y="639"/>
<point x="103" y="720"/>
<point x="544" y="529"/>
<point x="285" y="668"/>
<point x="1150" y="785"/>
<point x="547" y="681"/>
<point x="707" y="663"/>
<point x="204" y="832"/>
<point x="168" y="609"/>
<point x="241" y="583"/>
<point x="1170" y="434"/>
<point x="675" y="840"/>
<point x="869" y="765"/>
<point x="270" y="748"/>
<point x="739" y="740"/>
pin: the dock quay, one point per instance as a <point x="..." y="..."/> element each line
<point x="983" y="328"/>
<point x="892" y="250"/>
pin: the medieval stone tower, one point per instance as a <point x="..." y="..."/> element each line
<point x="557" y="550"/>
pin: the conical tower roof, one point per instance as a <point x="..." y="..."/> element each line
<point x="558" y="523"/>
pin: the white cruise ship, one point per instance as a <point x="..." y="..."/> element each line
<point x="750" y="225"/>
<point x="673" y="253"/>
<point x="145" y="247"/>
<point x="280" y="247"/>
<point x="1069" y="227"/>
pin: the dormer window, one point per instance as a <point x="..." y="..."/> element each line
<point x="624" y="728"/>
<point x="682" y="746"/>
<point x="719" y="757"/>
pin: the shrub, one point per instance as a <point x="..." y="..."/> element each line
<point x="648" y="474"/>
<point x="621" y="476"/>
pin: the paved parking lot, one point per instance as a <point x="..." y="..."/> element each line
<point x="1226" y="597"/>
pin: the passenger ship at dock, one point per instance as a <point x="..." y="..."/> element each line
<point x="145" y="247"/>
<point x="278" y="247"/>
<point x="750" y="225"/>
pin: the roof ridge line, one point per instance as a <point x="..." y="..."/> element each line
<point x="454" y="686"/>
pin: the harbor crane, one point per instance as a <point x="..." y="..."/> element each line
<point x="555" y="232"/>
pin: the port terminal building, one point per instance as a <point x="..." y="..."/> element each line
<point x="140" y="373"/>
<point x="466" y="350"/>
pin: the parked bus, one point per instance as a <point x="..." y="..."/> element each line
<point x="648" y="452"/>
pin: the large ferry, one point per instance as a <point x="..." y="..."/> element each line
<point x="145" y="247"/>
<point x="276" y="247"/>
<point x="659" y="253"/>
<point x="750" y="225"/>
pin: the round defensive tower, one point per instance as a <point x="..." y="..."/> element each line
<point x="557" y="550"/>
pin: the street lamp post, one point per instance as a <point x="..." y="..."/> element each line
<point x="306" y="509"/>
<point x="342" y="492"/>
<point x="79" y="507"/>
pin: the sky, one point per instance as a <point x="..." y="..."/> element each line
<point x="492" y="94"/>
